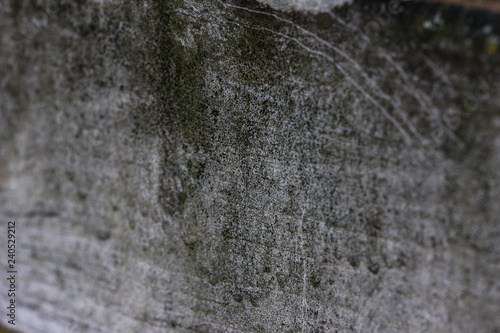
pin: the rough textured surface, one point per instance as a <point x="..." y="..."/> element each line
<point x="306" y="5"/>
<point x="214" y="166"/>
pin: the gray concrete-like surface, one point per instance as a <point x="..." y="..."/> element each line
<point x="314" y="6"/>
<point x="217" y="166"/>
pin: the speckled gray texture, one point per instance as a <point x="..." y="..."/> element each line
<point x="214" y="166"/>
<point x="314" y="6"/>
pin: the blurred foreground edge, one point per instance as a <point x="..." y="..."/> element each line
<point x="6" y="330"/>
